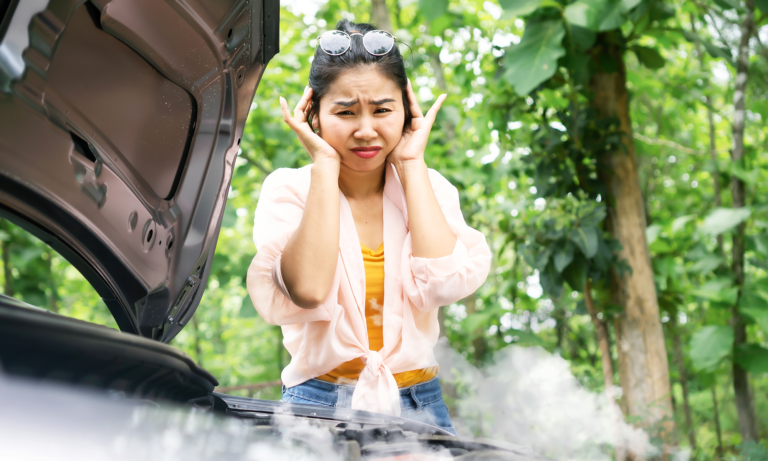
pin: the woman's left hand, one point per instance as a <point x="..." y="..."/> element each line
<point x="414" y="141"/>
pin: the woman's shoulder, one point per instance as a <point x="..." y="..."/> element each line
<point x="291" y="180"/>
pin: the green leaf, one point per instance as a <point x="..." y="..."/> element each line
<point x="611" y="17"/>
<point x="724" y="219"/>
<point x="710" y="345"/>
<point x="649" y="57"/>
<point x="760" y="243"/>
<point x="583" y="38"/>
<point x="749" y="177"/>
<point x="551" y="280"/>
<point x="519" y="7"/>
<point x="713" y="50"/>
<point x="563" y="257"/>
<point x="652" y="233"/>
<point x="585" y="13"/>
<point x="627" y="5"/>
<point x="478" y="320"/>
<point x="718" y="290"/>
<point x="586" y="238"/>
<point x="534" y="59"/>
<point x="707" y="264"/>
<point x="755" y="306"/>
<point x="679" y="223"/>
<point x="762" y="4"/>
<point x="438" y="26"/>
<point x="729" y="4"/>
<point x="596" y="15"/>
<point x="433" y="9"/>
<point x="576" y="273"/>
<point x="752" y="358"/>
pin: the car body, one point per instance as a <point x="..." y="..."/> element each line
<point x="120" y="124"/>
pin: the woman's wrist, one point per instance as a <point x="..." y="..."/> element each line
<point x="411" y="170"/>
<point x="326" y="165"/>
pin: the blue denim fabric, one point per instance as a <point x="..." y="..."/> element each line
<point x="422" y="402"/>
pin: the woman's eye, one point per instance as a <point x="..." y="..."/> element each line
<point x="382" y="111"/>
<point x="344" y="112"/>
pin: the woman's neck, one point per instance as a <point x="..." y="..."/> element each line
<point x="361" y="184"/>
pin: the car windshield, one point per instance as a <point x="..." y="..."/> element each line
<point x="36" y="274"/>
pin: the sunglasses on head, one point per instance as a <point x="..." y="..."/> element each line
<point x="338" y="42"/>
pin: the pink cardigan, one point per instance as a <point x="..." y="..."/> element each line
<point x="321" y="339"/>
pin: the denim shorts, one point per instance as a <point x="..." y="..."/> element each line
<point x="421" y="402"/>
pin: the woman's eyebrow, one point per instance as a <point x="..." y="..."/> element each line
<point x="352" y="103"/>
<point x="346" y="103"/>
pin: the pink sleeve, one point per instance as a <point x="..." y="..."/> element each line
<point x="277" y="216"/>
<point x="431" y="283"/>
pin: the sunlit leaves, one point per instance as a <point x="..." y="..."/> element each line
<point x="433" y="9"/>
<point x="597" y="15"/>
<point x="724" y="219"/>
<point x="519" y="7"/>
<point x="719" y="290"/>
<point x="534" y="59"/>
<point x="710" y="345"/>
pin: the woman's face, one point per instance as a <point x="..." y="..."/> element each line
<point x="361" y="116"/>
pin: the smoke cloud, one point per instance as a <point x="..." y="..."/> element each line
<point x="529" y="397"/>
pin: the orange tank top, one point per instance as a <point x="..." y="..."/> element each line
<point x="349" y="372"/>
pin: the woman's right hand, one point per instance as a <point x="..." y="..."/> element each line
<point x="318" y="149"/>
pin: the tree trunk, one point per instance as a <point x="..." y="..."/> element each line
<point x="742" y="392"/>
<point x="716" y="412"/>
<point x="643" y="367"/>
<point x="683" y="379"/>
<point x="380" y="15"/>
<point x="603" y="340"/>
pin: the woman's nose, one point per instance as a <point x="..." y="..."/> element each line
<point x="366" y="130"/>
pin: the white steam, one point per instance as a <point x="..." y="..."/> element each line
<point x="529" y="397"/>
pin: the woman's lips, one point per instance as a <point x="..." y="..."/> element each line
<point x="366" y="152"/>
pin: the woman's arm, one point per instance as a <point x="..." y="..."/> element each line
<point x="308" y="263"/>
<point x="431" y="236"/>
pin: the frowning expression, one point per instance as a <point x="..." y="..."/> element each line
<point x="361" y="116"/>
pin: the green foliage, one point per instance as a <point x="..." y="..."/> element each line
<point x="534" y="59"/>
<point x="710" y="345"/>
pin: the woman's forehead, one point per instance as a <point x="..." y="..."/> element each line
<point x="364" y="81"/>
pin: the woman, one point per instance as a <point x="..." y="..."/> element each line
<point x="357" y="251"/>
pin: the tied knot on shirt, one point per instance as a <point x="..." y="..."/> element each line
<point x="373" y="362"/>
<point x="376" y="390"/>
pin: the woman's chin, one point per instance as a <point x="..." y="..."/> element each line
<point x="356" y="163"/>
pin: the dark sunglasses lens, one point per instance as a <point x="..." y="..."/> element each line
<point x="378" y="42"/>
<point x="334" y="42"/>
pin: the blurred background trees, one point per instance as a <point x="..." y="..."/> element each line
<point x="615" y="155"/>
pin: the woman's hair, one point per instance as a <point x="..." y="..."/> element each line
<point x="326" y="68"/>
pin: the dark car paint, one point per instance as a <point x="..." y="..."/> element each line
<point x="118" y="141"/>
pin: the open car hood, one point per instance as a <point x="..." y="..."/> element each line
<point x="120" y="123"/>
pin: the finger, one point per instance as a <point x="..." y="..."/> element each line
<point x="299" y="112"/>
<point x="286" y="113"/>
<point x="432" y="112"/>
<point x="415" y="109"/>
